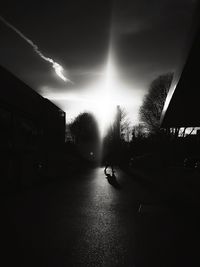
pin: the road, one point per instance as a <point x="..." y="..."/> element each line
<point x="87" y="220"/>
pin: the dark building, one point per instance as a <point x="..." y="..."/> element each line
<point x="182" y="107"/>
<point x="32" y="131"/>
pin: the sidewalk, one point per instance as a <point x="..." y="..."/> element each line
<point x="177" y="183"/>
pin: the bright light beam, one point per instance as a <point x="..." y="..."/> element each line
<point x="100" y="99"/>
<point x="57" y="67"/>
<point x="108" y="109"/>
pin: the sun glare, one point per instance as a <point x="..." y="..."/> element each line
<point x="107" y="107"/>
<point x="100" y="98"/>
<point x="104" y="111"/>
<point x="103" y="102"/>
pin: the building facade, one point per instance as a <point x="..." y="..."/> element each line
<point x="32" y="131"/>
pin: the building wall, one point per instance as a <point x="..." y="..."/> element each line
<point x="32" y="131"/>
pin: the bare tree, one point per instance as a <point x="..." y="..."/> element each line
<point x="116" y="137"/>
<point x="124" y="125"/>
<point x="139" y="131"/>
<point x="154" y="100"/>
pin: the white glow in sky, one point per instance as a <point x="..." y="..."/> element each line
<point x="101" y="98"/>
<point x="107" y="107"/>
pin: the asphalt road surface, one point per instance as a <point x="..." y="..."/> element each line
<point x="88" y="220"/>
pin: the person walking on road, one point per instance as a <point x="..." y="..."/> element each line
<point x="109" y="163"/>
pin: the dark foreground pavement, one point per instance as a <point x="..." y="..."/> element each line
<point x="87" y="220"/>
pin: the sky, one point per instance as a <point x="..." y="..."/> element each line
<point x="110" y="50"/>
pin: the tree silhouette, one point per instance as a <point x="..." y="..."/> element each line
<point x="125" y="124"/>
<point x="115" y="138"/>
<point x="153" y="102"/>
<point x="84" y="128"/>
<point x="86" y="139"/>
<point x="139" y="131"/>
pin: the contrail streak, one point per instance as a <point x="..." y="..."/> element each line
<point x="57" y="67"/>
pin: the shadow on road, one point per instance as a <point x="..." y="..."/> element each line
<point x="113" y="181"/>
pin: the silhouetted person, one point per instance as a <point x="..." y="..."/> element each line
<point x="109" y="162"/>
<point x="111" y="178"/>
<point x="107" y="166"/>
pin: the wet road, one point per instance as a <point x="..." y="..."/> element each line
<point x="87" y="220"/>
